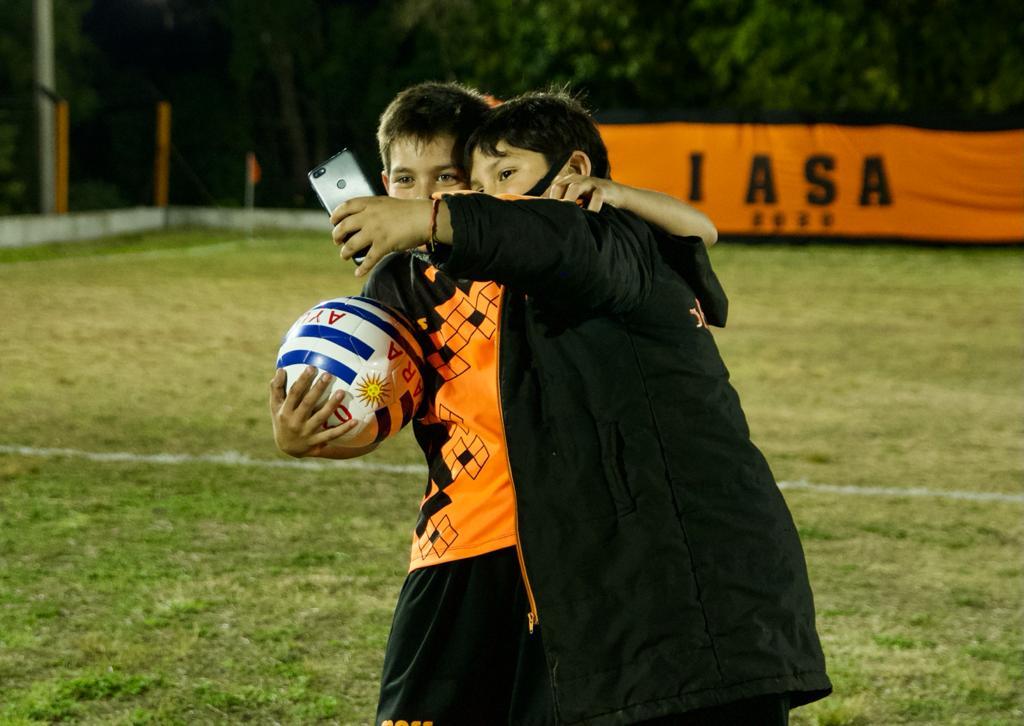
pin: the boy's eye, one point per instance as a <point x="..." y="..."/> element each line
<point x="403" y="180"/>
<point x="447" y="178"/>
<point x="505" y="174"/>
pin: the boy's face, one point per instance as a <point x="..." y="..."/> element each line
<point x="512" y="171"/>
<point x="420" y="168"/>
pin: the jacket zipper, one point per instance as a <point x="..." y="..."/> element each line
<point x="531" y="618"/>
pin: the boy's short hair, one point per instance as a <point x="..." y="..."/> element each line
<point x="552" y="123"/>
<point x="428" y="110"/>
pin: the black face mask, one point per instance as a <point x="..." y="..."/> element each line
<point x="545" y="181"/>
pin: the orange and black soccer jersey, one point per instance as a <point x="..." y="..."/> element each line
<point x="468" y="507"/>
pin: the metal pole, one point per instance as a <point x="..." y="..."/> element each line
<point x="42" y="20"/>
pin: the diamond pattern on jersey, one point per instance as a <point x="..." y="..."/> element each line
<point x="437" y="538"/>
<point x="464" y="451"/>
<point x="460" y="319"/>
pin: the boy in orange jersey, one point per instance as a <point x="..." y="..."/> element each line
<point x="461" y="648"/>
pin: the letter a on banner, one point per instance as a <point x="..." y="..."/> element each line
<point x="874" y="183"/>
<point x="761" y="180"/>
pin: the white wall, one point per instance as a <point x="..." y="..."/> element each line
<point x="33" y="229"/>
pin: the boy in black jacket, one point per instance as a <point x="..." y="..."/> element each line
<point x="660" y="560"/>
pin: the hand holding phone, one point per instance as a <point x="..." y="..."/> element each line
<point x="337" y="180"/>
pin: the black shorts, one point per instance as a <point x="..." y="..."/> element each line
<point x="460" y="654"/>
<point x="460" y="651"/>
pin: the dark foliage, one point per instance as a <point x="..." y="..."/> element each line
<point x="296" y="81"/>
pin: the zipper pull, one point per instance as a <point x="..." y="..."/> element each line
<point x="530" y="621"/>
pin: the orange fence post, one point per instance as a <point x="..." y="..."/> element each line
<point x="162" y="162"/>
<point x="61" y="131"/>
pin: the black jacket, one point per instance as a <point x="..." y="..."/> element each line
<point x="667" y="571"/>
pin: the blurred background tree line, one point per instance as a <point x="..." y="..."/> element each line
<point x="296" y="81"/>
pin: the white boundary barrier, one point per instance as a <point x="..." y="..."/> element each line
<point x="232" y="458"/>
<point x="32" y="229"/>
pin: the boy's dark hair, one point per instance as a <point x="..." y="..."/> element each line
<point x="552" y="123"/>
<point x="428" y="110"/>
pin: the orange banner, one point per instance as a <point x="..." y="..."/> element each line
<point x="884" y="181"/>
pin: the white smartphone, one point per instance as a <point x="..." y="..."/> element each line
<point x="339" y="179"/>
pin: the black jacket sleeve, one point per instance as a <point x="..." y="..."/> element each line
<point x="602" y="262"/>
<point x="688" y="256"/>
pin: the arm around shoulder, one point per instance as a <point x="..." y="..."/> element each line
<point x="662" y="210"/>
<point x="602" y="262"/>
<point x="674" y="216"/>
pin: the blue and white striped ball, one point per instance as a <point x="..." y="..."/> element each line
<point x="373" y="355"/>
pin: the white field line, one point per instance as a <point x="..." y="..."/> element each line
<point x="158" y="253"/>
<point x="231" y="458"/>
<point x="227" y="458"/>
<point x="903" y="492"/>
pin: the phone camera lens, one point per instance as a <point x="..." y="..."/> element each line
<point x="342" y="184"/>
<point x="319" y="173"/>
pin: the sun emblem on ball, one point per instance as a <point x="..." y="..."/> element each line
<point x="372" y="389"/>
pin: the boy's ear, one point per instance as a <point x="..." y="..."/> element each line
<point x="387" y="182"/>
<point x="579" y="163"/>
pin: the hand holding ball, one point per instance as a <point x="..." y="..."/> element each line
<point x="376" y="362"/>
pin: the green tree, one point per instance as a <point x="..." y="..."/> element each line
<point x="297" y="81"/>
<point x="626" y="54"/>
<point x="900" y="55"/>
<point x="316" y="74"/>
<point x="749" y="55"/>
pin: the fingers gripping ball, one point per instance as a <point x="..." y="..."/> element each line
<point x="370" y="350"/>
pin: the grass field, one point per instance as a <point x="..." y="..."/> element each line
<point x="148" y="590"/>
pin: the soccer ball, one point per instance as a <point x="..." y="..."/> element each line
<point x="370" y="350"/>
